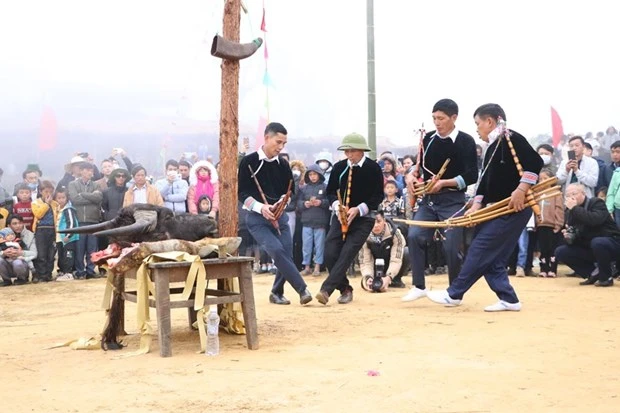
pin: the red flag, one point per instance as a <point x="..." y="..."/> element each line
<point x="556" y="127"/>
<point x="260" y="133"/>
<point x="263" y="26"/>
<point x="265" y="50"/>
<point x="48" y="130"/>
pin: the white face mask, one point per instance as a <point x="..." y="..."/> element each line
<point x="324" y="165"/>
<point x="296" y="172"/>
<point x="546" y="159"/>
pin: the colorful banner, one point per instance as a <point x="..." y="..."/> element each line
<point x="556" y="127"/>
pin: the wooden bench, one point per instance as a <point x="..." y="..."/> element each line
<point x="163" y="273"/>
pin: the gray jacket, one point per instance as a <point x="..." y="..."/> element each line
<point x="86" y="199"/>
<point x="315" y="216"/>
<point x="30" y="253"/>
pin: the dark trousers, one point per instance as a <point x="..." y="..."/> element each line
<point x="436" y="208"/>
<point x="14" y="268"/>
<point x="280" y="248"/>
<point x="339" y="254"/>
<point x="488" y="254"/>
<point x="66" y="257"/>
<point x="86" y="245"/>
<point x="45" y="240"/>
<point x="435" y="256"/>
<point x="602" y="251"/>
<point x="548" y="241"/>
<point x="247" y="243"/>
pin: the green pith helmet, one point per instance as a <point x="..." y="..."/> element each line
<point x="354" y="141"/>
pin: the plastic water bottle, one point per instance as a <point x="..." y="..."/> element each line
<point x="213" y="327"/>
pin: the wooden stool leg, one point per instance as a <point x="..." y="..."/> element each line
<point x="191" y="316"/>
<point x="121" y="323"/>
<point x="247" y="305"/>
<point x="162" y="306"/>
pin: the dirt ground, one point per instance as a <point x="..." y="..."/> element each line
<point x="559" y="354"/>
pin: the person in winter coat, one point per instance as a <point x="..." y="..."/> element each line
<point x="16" y="263"/>
<point x="314" y="206"/>
<point x="203" y="180"/>
<point x="388" y="243"/>
<point x="547" y="231"/>
<point x="173" y="188"/>
<point x="114" y="195"/>
<point x="141" y="191"/>
<point x="45" y="211"/>
<point x="66" y="244"/>
<point x="592" y="238"/>
<point x="86" y="198"/>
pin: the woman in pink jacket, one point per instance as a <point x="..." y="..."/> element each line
<point x="203" y="181"/>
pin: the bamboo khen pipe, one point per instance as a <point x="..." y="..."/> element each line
<point x="423" y="187"/>
<point x="545" y="189"/>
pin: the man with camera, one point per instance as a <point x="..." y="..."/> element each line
<point x="384" y="249"/>
<point x="592" y="238"/>
<point x="578" y="168"/>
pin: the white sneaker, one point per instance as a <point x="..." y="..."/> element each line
<point x="502" y="305"/>
<point x="414" y="294"/>
<point x="442" y="297"/>
<point x="520" y="272"/>
<point x="65" y="277"/>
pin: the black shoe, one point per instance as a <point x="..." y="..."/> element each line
<point x="571" y="274"/>
<point x="429" y="271"/>
<point x="278" y="299"/>
<point x="6" y="284"/>
<point x="35" y="280"/>
<point x="93" y="276"/>
<point x="607" y="283"/>
<point x="397" y="283"/>
<point x="589" y="281"/>
<point x="20" y="282"/>
<point x="346" y="297"/>
<point x="512" y="271"/>
<point x="305" y="297"/>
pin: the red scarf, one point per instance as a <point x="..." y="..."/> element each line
<point x="203" y="187"/>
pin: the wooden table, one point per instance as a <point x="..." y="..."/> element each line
<point x="163" y="273"/>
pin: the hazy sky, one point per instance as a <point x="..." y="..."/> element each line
<point x="152" y="57"/>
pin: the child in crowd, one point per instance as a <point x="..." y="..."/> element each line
<point x="45" y="211"/>
<point x="66" y="243"/>
<point x="23" y="206"/>
<point x="9" y="240"/>
<point x="392" y="206"/>
<point x="314" y="206"/>
<point x="204" y="205"/>
<point x="548" y="230"/>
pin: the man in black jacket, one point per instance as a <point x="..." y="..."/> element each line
<point x="273" y="174"/>
<point x="592" y="237"/>
<point x="359" y="181"/>
<point x="447" y="197"/>
<point x="502" y="177"/>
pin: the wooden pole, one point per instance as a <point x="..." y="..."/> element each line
<point x="229" y="126"/>
<point x="372" y="103"/>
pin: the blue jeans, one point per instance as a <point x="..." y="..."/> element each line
<point x="522" y="255"/>
<point x="310" y="236"/>
<point x="86" y="245"/>
<point x="435" y="208"/>
<point x="280" y="249"/>
<point x="602" y="251"/>
<point x="488" y="255"/>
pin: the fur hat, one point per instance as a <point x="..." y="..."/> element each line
<point x="296" y="163"/>
<point x="202" y="164"/>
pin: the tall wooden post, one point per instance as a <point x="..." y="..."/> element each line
<point x="372" y="103"/>
<point x="229" y="126"/>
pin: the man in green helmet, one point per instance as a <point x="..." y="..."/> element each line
<point x="355" y="190"/>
